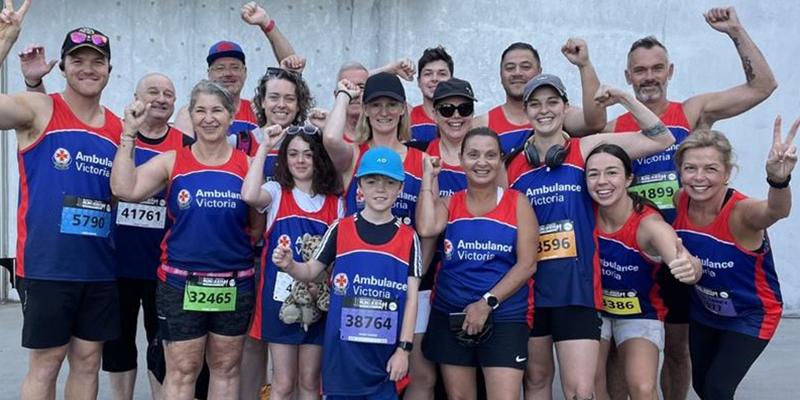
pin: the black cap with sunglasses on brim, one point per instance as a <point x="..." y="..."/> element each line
<point x="453" y="87"/>
<point x="86" y="37"/>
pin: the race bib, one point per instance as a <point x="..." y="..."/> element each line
<point x="151" y="213"/>
<point x="83" y="216"/>
<point x="717" y="302"/>
<point x="283" y="286"/>
<point x="557" y="240"/>
<point x="209" y="294"/>
<point x="621" y="303"/>
<point x="658" y="188"/>
<point x="369" y="320"/>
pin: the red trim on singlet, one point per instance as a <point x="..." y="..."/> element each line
<point x="672" y="116"/>
<point x="498" y="122"/>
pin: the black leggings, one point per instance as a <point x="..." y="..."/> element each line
<point x="720" y="359"/>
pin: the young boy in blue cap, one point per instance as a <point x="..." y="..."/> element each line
<point x="374" y="284"/>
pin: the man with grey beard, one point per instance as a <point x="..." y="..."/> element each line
<point x="649" y="72"/>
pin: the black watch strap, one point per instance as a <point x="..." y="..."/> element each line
<point x="779" y="185"/>
<point x="407" y="346"/>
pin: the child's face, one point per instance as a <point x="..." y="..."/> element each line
<point x="380" y="192"/>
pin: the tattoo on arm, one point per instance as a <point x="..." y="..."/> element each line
<point x="748" y="69"/>
<point x="656" y="130"/>
<point x="736" y="41"/>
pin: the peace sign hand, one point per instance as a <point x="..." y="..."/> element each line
<point x="783" y="154"/>
<point x="11" y="21"/>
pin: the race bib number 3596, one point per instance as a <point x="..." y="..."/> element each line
<point x="557" y="240"/>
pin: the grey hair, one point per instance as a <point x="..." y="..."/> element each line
<point x="206" y="86"/>
<point x="348" y="66"/>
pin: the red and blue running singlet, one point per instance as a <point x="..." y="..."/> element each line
<point x="568" y="271"/>
<point x="210" y="221"/>
<point x="452" y="178"/>
<point x="270" y="163"/>
<point x="739" y="289"/>
<point x="244" y="123"/>
<point x="478" y="253"/>
<point x="423" y="128"/>
<point x="656" y="177"/>
<point x="406" y="204"/>
<point x="290" y="228"/>
<point x="64" y="217"/>
<point x="141" y="227"/>
<point x="512" y="136"/>
<point x="368" y="296"/>
<point x="630" y="290"/>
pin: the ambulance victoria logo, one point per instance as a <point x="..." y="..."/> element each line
<point x="448" y="249"/>
<point x="284" y="241"/>
<point x="184" y="199"/>
<point x="61" y="159"/>
<point x="340" y="282"/>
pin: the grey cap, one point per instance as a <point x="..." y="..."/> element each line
<point x="544" y="80"/>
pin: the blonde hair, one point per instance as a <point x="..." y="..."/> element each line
<point x="363" y="131"/>
<point x="708" y="138"/>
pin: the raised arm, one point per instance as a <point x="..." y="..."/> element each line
<point x="403" y="68"/>
<point x="136" y="184"/>
<point x="653" y="138"/>
<point x="10" y="26"/>
<point x="756" y="215"/>
<point x="431" y="213"/>
<point x="592" y="118"/>
<point x="35" y="67"/>
<point x="705" y="109"/>
<point x="657" y="237"/>
<point x="254" y="14"/>
<point x="252" y="194"/>
<point x="342" y="154"/>
<point x="17" y="111"/>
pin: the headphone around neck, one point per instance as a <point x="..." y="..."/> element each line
<point x="554" y="156"/>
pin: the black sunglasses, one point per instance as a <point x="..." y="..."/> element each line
<point x="464" y="109"/>
<point x="306" y="129"/>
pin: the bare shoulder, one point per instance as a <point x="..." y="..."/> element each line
<point x="481" y="121"/>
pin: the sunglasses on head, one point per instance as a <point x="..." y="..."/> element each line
<point x="464" y="109"/>
<point x="306" y="129"/>
<point x="96" y="38"/>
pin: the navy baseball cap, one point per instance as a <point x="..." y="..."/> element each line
<point x="86" y="37"/>
<point x="224" y="48"/>
<point x="383" y="84"/>
<point x="544" y="80"/>
<point x="453" y="87"/>
<point x="381" y="161"/>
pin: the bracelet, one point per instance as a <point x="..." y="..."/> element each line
<point x="345" y="92"/>
<point x="126" y="137"/>
<point x="779" y="185"/>
<point x="426" y="190"/>
<point x="269" y="27"/>
<point x="33" y="86"/>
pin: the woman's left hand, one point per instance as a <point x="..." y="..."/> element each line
<point x="477" y="313"/>
<point x="783" y="154"/>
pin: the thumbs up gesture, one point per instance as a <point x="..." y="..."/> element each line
<point x="686" y="268"/>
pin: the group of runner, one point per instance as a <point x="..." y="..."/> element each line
<point x="391" y="242"/>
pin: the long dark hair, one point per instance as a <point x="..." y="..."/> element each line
<point x="305" y="102"/>
<point x="639" y="202"/>
<point x="325" y="180"/>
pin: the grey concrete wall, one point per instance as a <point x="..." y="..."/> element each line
<point x="173" y="36"/>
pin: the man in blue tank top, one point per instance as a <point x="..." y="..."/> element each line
<point x="64" y="256"/>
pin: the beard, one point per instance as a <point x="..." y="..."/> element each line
<point x="646" y="94"/>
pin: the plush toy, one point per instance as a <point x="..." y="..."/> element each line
<point x="306" y="301"/>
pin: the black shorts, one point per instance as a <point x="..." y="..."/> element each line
<point x="120" y="355"/>
<point x="176" y="324"/>
<point x="506" y="347"/>
<point x="676" y="296"/>
<point x="567" y="323"/>
<point x="54" y="311"/>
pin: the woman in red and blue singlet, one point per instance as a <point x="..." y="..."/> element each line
<point x="384" y="122"/>
<point x="632" y="240"/>
<point x="550" y="171"/>
<point x="205" y="293"/>
<point x="483" y="293"/>
<point x="736" y="305"/>
<point x="301" y="202"/>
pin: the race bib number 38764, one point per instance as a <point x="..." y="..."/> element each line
<point x="369" y="320"/>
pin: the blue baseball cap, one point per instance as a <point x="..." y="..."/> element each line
<point x="381" y="161"/>
<point x="224" y="48"/>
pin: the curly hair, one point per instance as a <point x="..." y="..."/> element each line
<point x="305" y="102"/>
<point x="325" y="180"/>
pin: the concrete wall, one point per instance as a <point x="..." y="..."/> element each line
<point x="173" y="36"/>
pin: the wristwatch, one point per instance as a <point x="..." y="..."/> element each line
<point x="491" y="300"/>
<point x="407" y="346"/>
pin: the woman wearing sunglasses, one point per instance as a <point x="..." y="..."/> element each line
<point x="549" y="169"/>
<point x="205" y="292"/>
<point x="483" y="307"/>
<point x="633" y="241"/>
<point x="384" y="122"/>
<point x="301" y="200"/>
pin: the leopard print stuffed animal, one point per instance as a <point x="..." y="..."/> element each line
<point x="307" y="301"/>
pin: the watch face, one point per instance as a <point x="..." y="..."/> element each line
<point x="491" y="301"/>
